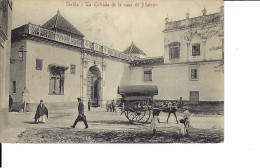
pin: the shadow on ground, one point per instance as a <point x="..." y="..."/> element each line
<point x="69" y="135"/>
<point x="110" y="122"/>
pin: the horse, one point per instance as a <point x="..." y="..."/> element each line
<point x="170" y="110"/>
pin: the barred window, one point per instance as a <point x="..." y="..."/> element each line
<point x="195" y="49"/>
<point x="39" y="64"/>
<point x="174" y="50"/>
<point x="194" y="73"/>
<point x="72" y="69"/>
<point x="56" y="83"/>
<point x="147" y="75"/>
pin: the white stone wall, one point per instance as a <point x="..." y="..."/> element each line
<point x="116" y="74"/>
<point x="17" y="70"/>
<point x="173" y="81"/>
<point x="37" y="81"/>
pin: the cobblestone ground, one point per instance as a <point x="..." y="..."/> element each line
<point x="108" y="127"/>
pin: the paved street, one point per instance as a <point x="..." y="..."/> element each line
<point x="108" y="127"/>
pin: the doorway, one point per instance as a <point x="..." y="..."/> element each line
<point x="94" y="86"/>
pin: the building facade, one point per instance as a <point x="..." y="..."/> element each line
<point x="5" y="50"/>
<point x="193" y="65"/>
<point x="55" y="63"/>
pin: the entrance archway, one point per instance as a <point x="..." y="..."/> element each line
<point x="94" y="86"/>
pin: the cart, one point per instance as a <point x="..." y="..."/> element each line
<point x="137" y="102"/>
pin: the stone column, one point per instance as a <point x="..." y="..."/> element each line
<point x="188" y="50"/>
<point x="85" y="72"/>
<point x="204" y="42"/>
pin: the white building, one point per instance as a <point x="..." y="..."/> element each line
<point x="193" y="60"/>
<point x="58" y="64"/>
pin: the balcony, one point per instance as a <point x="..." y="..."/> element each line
<point x="38" y="31"/>
<point x="56" y="36"/>
<point x="193" y="22"/>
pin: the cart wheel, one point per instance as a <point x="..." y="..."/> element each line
<point x="138" y="114"/>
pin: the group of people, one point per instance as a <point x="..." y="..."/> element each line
<point x="42" y="114"/>
<point x="111" y="106"/>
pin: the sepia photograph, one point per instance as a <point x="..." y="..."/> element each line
<point x="104" y="71"/>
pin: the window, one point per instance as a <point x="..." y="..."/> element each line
<point x="195" y="49"/>
<point x="72" y="69"/>
<point x="147" y="75"/>
<point x="39" y="64"/>
<point x="194" y="73"/>
<point x="14" y="86"/>
<point x="56" y="83"/>
<point x="174" y="50"/>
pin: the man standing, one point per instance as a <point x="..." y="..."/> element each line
<point x="25" y="95"/>
<point x="113" y="104"/>
<point x="10" y="103"/>
<point x="186" y="122"/>
<point x="81" y="116"/>
<point x="89" y="104"/>
<point x="41" y="113"/>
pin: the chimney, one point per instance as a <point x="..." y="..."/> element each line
<point x="204" y="11"/>
<point x="187" y="15"/>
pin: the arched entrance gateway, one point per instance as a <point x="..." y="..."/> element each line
<point x="94" y="86"/>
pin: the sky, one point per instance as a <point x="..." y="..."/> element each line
<point x="115" y="27"/>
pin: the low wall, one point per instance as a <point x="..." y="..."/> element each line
<point x="17" y="106"/>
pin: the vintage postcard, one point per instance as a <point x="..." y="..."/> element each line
<point x="112" y="71"/>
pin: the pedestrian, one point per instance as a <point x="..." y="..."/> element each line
<point x="41" y="113"/>
<point x="113" y="104"/>
<point x="10" y="102"/>
<point x="170" y="104"/>
<point x="186" y="122"/>
<point x="107" y="106"/>
<point x="25" y="97"/>
<point x="165" y="104"/>
<point x="180" y="104"/>
<point x="154" y="121"/>
<point x="81" y="116"/>
<point x="89" y="104"/>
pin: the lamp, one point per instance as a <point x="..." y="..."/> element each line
<point x="21" y="52"/>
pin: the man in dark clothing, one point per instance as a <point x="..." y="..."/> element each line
<point x="113" y="105"/>
<point x="10" y="102"/>
<point x="81" y="116"/>
<point x="89" y="104"/>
